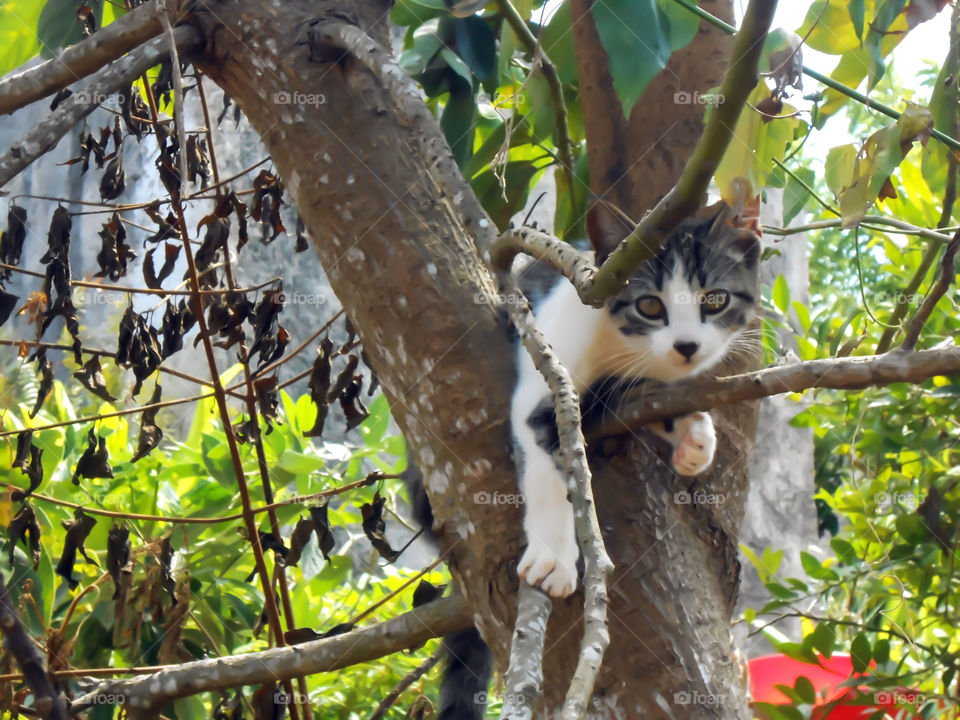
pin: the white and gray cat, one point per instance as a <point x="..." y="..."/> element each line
<point x="679" y="315"/>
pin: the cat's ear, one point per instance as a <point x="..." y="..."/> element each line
<point x="606" y="227"/>
<point x="739" y="228"/>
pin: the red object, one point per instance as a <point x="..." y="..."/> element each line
<point x="770" y="670"/>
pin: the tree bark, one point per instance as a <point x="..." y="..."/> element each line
<point x="401" y="251"/>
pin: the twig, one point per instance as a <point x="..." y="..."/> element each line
<point x="524" y="678"/>
<point x="869" y="222"/>
<point x="597" y="565"/>
<point x="118" y="76"/>
<point x="647" y="405"/>
<point x="20" y="645"/>
<point x="533" y="46"/>
<point x="411" y="629"/>
<point x="386" y="598"/>
<point x="947" y="272"/>
<point x="80" y="60"/>
<point x="409" y="679"/>
<point x="174" y="520"/>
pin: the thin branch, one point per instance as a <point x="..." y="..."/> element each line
<point x="20" y="645"/>
<point x="175" y="520"/>
<point x="141" y="696"/>
<point x="519" y="26"/>
<point x="597" y="565"/>
<point x="118" y="76"/>
<point x="647" y="405"/>
<point x="80" y="60"/>
<point x="688" y="193"/>
<point x="870" y="222"/>
<point x="948" y="271"/>
<point x="524" y="679"/>
<point x="409" y="679"/>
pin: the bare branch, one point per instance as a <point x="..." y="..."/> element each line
<point x="948" y="270"/>
<point x="80" y="60"/>
<point x="597" y="565"/>
<point x="524" y="678"/>
<point x="16" y="639"/>
<point x="649" y="404"/>
<point x="409" y="630"/>
<point x="117" y="76"/>
<point x="406" y="681"/>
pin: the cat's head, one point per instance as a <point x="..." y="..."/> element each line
<point x="683" y="310"/>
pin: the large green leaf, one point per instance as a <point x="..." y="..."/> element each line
<point x="58" y="26"/>
<point x="501" y="203"/>
<point x="18" y="32"/>
<point x="557" y="41"/>
<point x="415" y="12"/>
<point x="635" y="42"/>
<point x="458" y="121"/>
<point x="476" y="44"/>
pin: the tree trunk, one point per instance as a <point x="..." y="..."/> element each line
<point x="398" y="239"/>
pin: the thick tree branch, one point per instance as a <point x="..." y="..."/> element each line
<point x="455" y="190"/>
<point x="597" y="564"/>
<point x="688" y="193"/>
<point x="18" y="642"/>
<point x="118" y="76"/>
<point x="651" y="404"/>
<point x="142" y="695"/>
<point x="80" y="60"/>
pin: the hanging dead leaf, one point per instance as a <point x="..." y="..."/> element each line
<point x="77" y="531"/>
<point x="24" y="525"/>
<point x="61" y="95"/>
<point x="319" y="385"/>
<point x="91" y="377"/>
<point x="321" y="525"/>
<point x="118" y="556"/>
<point x="8" y="302"/>
<point x="11" y="242"/>
<point x="45" y="371"/>
<point x="29" y="461"/>
<point x="374" y="528"/>
<point x="95" y="462"/>
<point x="114" y="180"/>
<point x="150" y="434"/>
<point x="427" y="592"/>
<point x="298" y="539"/>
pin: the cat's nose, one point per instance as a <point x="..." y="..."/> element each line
<point x="687" y="349"/>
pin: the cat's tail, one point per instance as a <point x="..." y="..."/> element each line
<point x="469" y="662"/>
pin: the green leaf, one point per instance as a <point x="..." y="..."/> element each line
<point x="881" y="651"/>
<point x="416" y="12"/>
<point x="635" y="43"/>
<point x="375" y="426"/>
<point x="824" y="639"/>
<point x="860" y="653"/>
<point x="857" y="12"/>
<point x="476" y="44"/>
<point x="813" y="568"/>
<point x="18" y="36"/>
<point x="781" y="294"/>
<point x="805" y="690"/>
<point x="458" y="122"/>
<point x="795" y="195"/>
<point x="679" y="24"/>
<point x="557" y="42"/>
<point x="58" y="26"/>
<point x="880" y="26"/>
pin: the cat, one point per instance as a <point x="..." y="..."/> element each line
<point x="677" y="316"/>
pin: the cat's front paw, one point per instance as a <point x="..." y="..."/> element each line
<point x="550" y="563"/>
<point x="694" y="450"/>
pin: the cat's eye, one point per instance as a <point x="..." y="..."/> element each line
<point x="715" y="301"/>
<point x="650" y="306"/>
